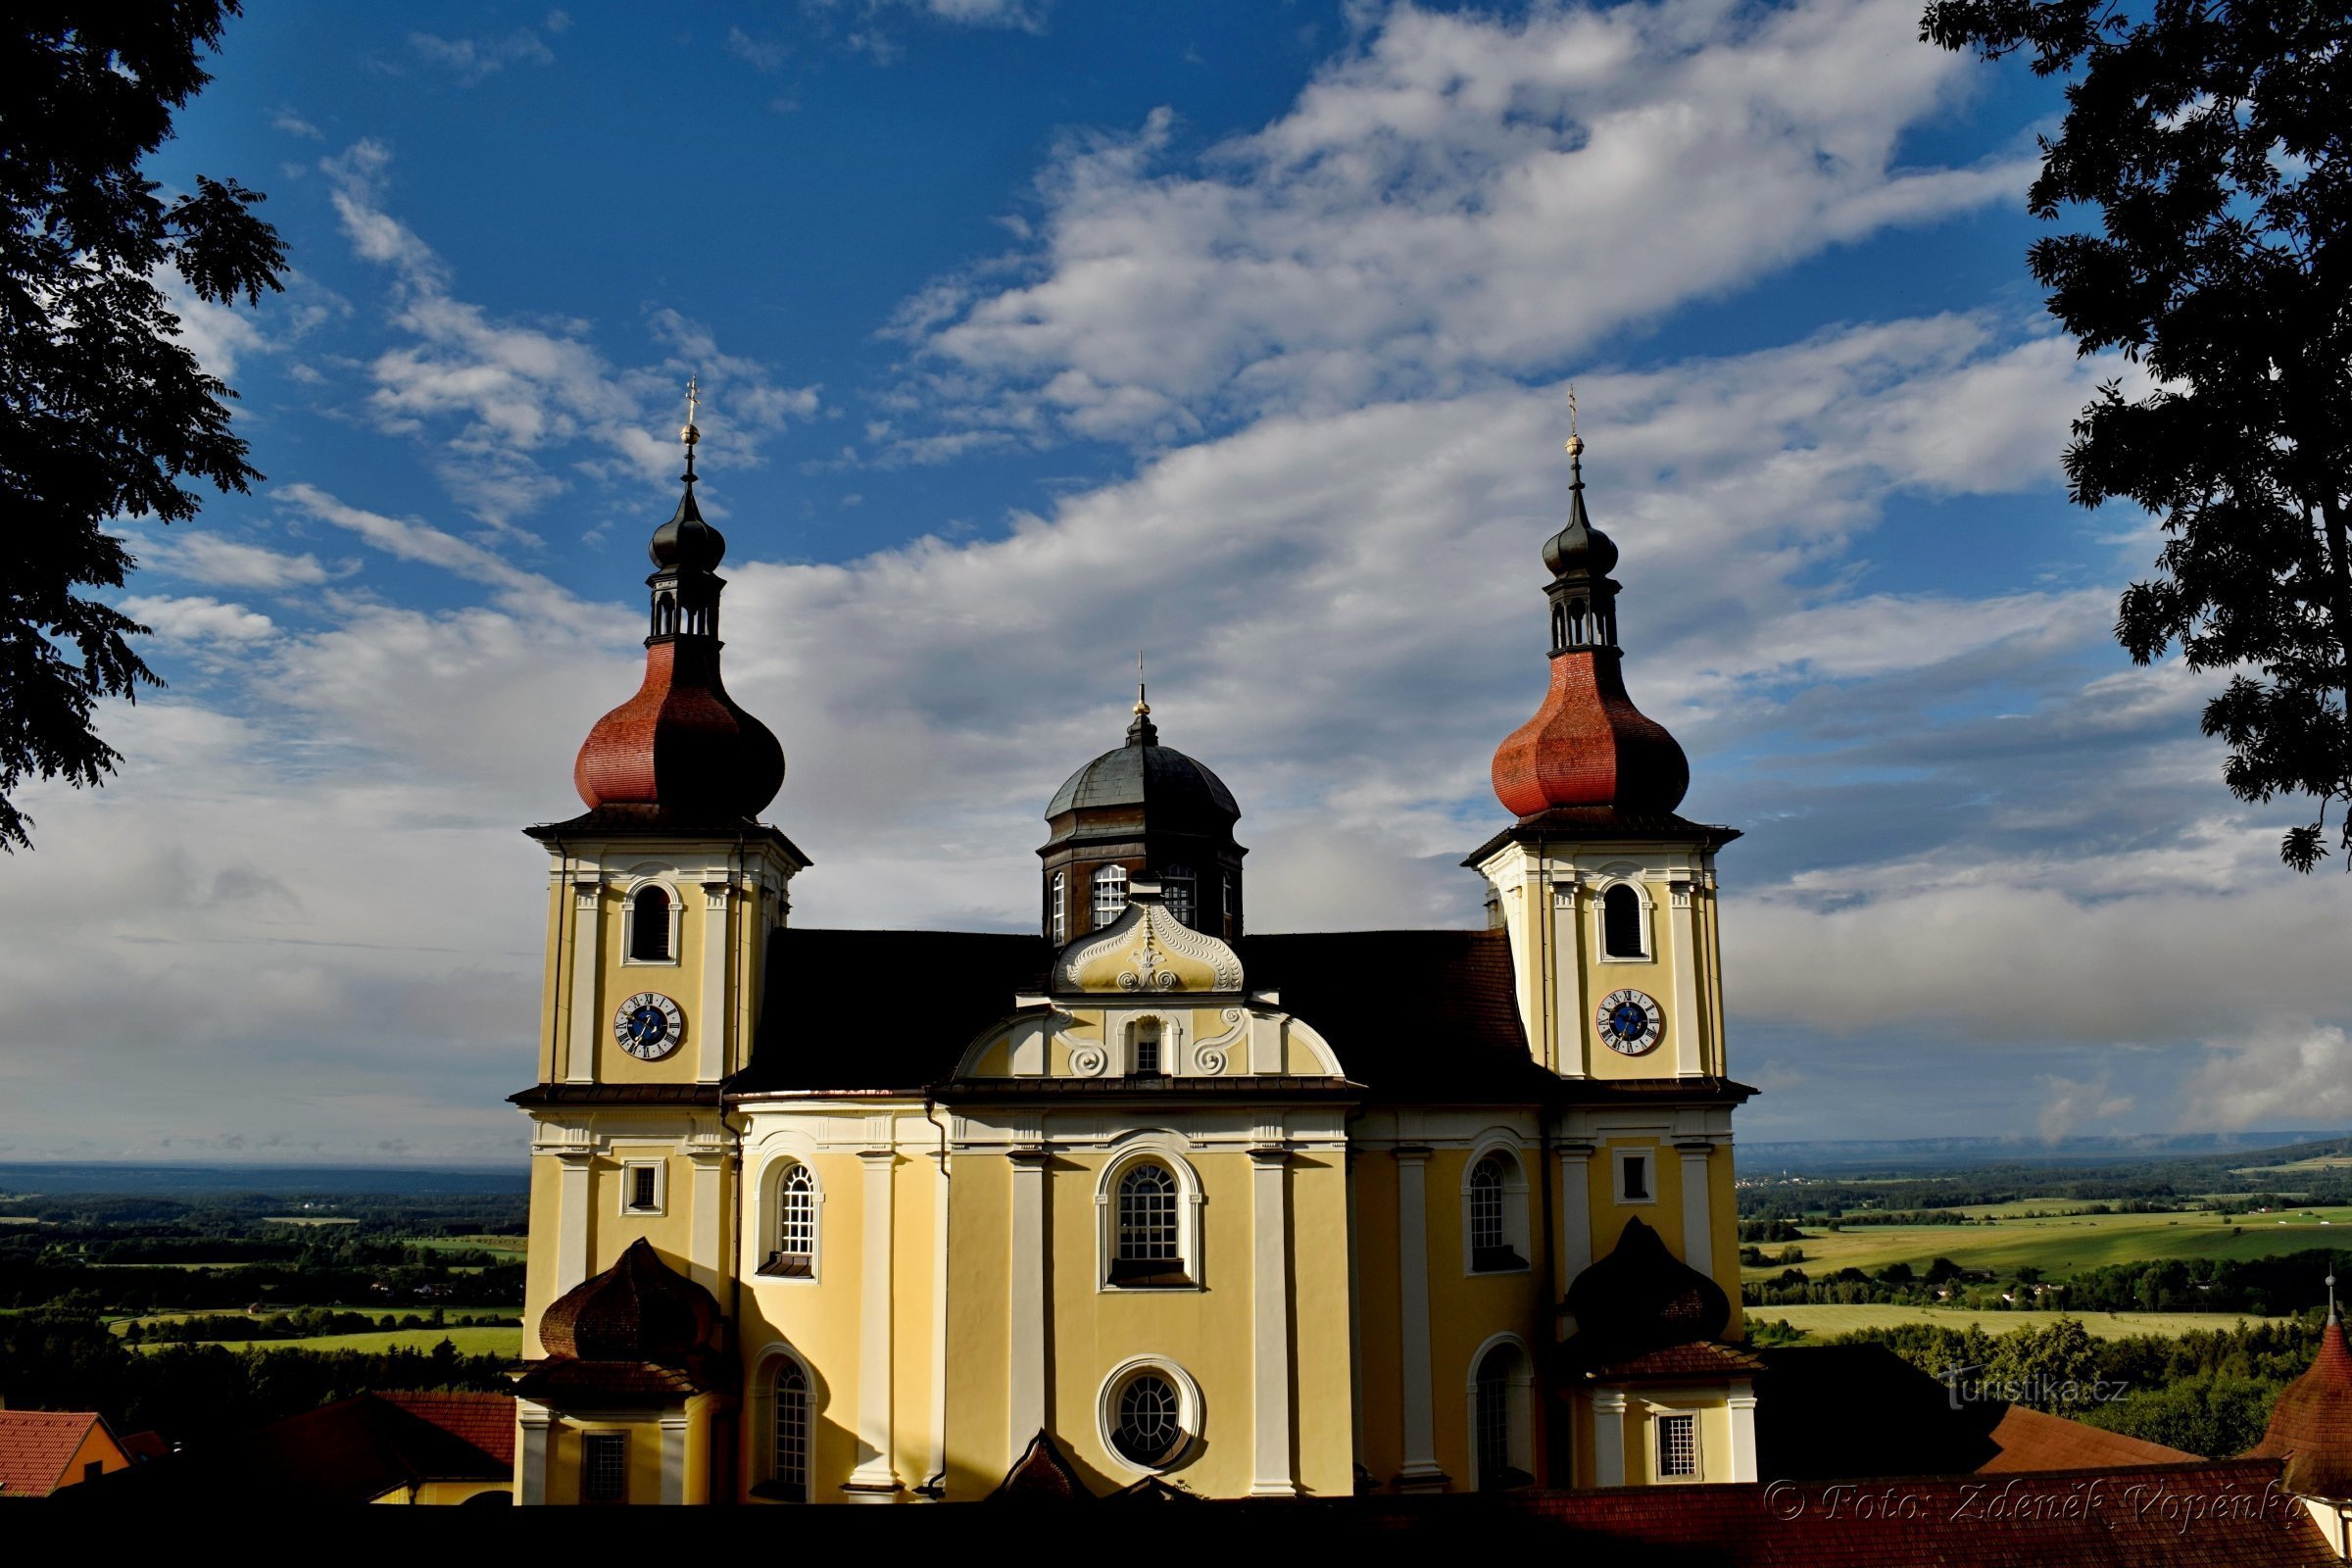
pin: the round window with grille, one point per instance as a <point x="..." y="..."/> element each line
<point x="1148" y="1428"/>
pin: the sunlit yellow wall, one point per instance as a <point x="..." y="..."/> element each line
<point x="1714" y="1433"/>
<point x="1467" y="1309"/>
<point x="913" y="1277"/>
<point x="539" y="1260"/>
<point x="442" y="1494"/>
<point x="1664" y="1215"/>
<point x="1723" y="1210"/>
<point x="818" y="1320"/>
<point x="1322" y="1410"/>
<point x="979" y="1326"/>
<point x="1379" y="1346"/>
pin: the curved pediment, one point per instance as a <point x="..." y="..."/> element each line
<point x="1147" y="949"/>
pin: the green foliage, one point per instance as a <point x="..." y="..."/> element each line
<point x="2212" y="1415"/>
<point x="2211" y="138"/>
<point x="103" y="411"/>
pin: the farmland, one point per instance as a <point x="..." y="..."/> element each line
<point x="1820" y="1322"/>
<point x="2061" y="1246"/>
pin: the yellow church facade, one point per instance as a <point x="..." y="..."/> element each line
<point x="1145" y="1198"/>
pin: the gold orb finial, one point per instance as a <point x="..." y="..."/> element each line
<point x="694" y="402"/>
<point x="1576" y="443"/>
<point x="1141" y="706"/>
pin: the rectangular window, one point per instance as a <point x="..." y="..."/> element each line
<point x="1147" y="1051"/>
<point x="605" y="1467"/>
<point x="1678" y="1445"/>
<point x="1637" y="1178"/>
<point x="642" y="1195"/>
<point x="92" y="1469"/>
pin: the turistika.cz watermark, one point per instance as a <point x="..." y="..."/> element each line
<point x="2039" y="1390"/>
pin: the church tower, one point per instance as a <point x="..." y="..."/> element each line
<point x="661" y="898"/>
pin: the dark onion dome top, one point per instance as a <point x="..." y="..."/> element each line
<point x="1580" y="547"/>
<point x="1589" y="746"/>
<point x="1643" y="1297"/>
<point x="640" y="1309"/>
<point x="1144" y="772"/>
<point x="681" y="743"/>
<point x="2311" y="1425"/>
<point x="686" y="542"/>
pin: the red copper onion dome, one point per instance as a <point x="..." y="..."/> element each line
<point x="2311" y="1425"/>
<point x="1588" y="747"/>
<point x="681" y="744"/>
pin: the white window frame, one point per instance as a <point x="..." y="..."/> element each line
<point x="1600" y="919"/>
<point x="1191" y="1413"/>
<point x="1659" y="1416"/>
<point x="1521" y="1397"/>
<point x="1094" y="889"/>
<point x="1515" y="1233"/>
<point x="769" y="1363"/>
<point x="1189" y="1201"/>
<point x="630" y="1164"/>
<point x="1058" y="918"/>
<point x="1619" y="1154"/>
<point x="771" y="1218"/>
<point x="628" y="922"/>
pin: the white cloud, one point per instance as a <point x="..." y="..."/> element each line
<point x="470" y="60"/>
<point x="197" y="620"/>
<point x="208" y="558"/>
<point x="293" y="124"/>
<point x="1463" y="196"/>
<point x="2287" y="1071"/>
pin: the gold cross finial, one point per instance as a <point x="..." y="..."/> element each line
<point x="1141" y="706"/>
<point x="1576" y="443"/>
<point x="694" y="403"/>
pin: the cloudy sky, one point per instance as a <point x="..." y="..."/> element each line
<point x="1033" y="331"/>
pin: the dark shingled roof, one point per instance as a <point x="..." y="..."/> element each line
<point x="1415" y="1016"/>
<point x="1158" y="776"/>
<point x="353" y="1450"/>
<point x="2311" y="1425"/>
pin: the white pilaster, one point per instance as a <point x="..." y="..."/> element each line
<point x="709" y="1159"/>
<point x="1027" y="1360"/>
<point x="711" y="1023"/>
<point x="1608" y="1437"/>
<point x="1575" y="1031"/>
<point x="530" y="1460"/>
<point x="1420" y="1468"/>
<point x="1688" y="1034"/>
<point x="587" y="963"/>
<point x="1576" y="1217"/>
<point x="937" y="1471"/>
<point x="673" y="1459"/>
<point x="1742" y="1404"/>
<point x="1270" y="1324"/>
<point x="572" y="1216"/>
<point x="875" y="1471"/>
<point x="1698" y="1228"/>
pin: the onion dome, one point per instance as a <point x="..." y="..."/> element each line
<point x="682" y="747"/>
<point x="2311" y="1425"/>
<point x="1145" y="773"/>
<point x="640" y="1309"/>
<point x="1588" y="747"/>
<point x="1642" y="1297"/>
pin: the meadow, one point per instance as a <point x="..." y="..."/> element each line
<point x="2061" y="1245"/>
<point x="1820" y="1322"/>
<point x="468" y="1340"/>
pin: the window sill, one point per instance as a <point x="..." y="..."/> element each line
<point x="1628" y="957"/>
<point x="803" y="1269"/>
<point x="1498" y="1261"/>
<point x="1144" y="1283"/>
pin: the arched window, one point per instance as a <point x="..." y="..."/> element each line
<point x="1057" y="912"/>
<point x="1231" y="911"/>
<point x="1496" y="1396"/>
<point x="1176" y="887"/>
<point x="1486" y="1204"/>
<point x="1494" y="1213"/>
<point x="795" y="1256"/>
<point x="1147" y="1249"/>
<point x="1621" y="923"/>
<point x="1111" y="895"/>
<point x="649" y="924"/>
<point x="788" y="1458"/>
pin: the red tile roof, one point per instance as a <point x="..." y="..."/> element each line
<point x="2033" y="1441"/>
<point x="2311" y="1425"/>
<point x="36" y="1446"/>
<point x="485" y="1420"/>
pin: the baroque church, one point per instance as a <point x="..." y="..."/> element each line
<point x="1152" y="1206"/>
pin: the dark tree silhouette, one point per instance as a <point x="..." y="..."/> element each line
<point x="103" y="413"/>
<point x="2209" y="138"/>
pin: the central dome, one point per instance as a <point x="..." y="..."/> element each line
<point x="1158" y="776"/>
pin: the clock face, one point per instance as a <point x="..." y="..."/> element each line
<point x="648" y="1026"/>
<point x="1630" y="1022"/>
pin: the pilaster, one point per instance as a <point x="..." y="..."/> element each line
<point x="587" y="964"/>
<point x="1027" y="1303"/>
<point x="875" y="1472"/>
<point x="1698" y="1221"/>
<point x="1608" y="1437"/>
<point x="713" y="1024"/>
<point x="1685" y="1031"/>
<point x="1270" y="1325"/>
<point x="1420" y="1442"/>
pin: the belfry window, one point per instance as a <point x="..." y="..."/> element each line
<point x="1621" y="923"/>
<point x="1147" y="1250"/>
<point x="1678" y="1445"/>
<point x="795" y="1254"/>
<point x="1111" y="895"/>
<point x="1057" y="912"/>
<point x="787" y="1469"/>
<point x="605" y="1467"/>
<point x="1176" y="888"/>
<point x="649" y="924"/>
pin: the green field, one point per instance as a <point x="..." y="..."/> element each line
<point x="515" y="1245"/>
<point x="305" y="1219"/>
<point x="469" y="1342"/>
<point x="1823" y="1321"/>
<point x="2059" y="1246"/>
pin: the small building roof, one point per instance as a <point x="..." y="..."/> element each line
<point x="354" y="1450"/>
<point x="2311" y="1425"/>
<point x="36" y="1446"/>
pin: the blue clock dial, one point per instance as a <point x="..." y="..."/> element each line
<point x="1628" y="1022"/>
<point x="649" y="1025"/>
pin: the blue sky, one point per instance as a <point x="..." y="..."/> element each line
<point x="1033" y="331"/>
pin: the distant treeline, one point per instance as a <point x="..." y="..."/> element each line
<point x="67" y="1360"/>
<point x="2262" y="1286"/>
<point x="307" y="1323"/>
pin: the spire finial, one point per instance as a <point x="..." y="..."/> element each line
<point x="692" y="433"/>
<point x="2331" y="1298"/>
<point x="1576" y="443"/>
<point x="1141" y="706"/>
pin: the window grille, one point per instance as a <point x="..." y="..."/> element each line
<point x="649" y="924"/>
<point x="1060" y="917"/>
<point x="796" y="1225"/>
<point x="1176" y="888"/>
<point x="1485" y="1203"/>
<point x="1147" y="1048"/>
<point x="1111" y="895"/>
<point x="1621" y="923"/>
<point x="1150" y="1423"/>
<point x="1678" y="1445"/>
<point x="1493" y="1435"/>
<point x="791" y="1467"/>
<point x="642" y="1186"/>
<point x="605" y="1467"/>
<point x="1147" y="1249"/>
